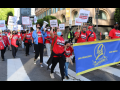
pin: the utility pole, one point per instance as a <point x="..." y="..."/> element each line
<point x="97" y="12"/>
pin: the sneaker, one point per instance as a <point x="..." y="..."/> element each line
<point x="52" y="75"/>
<point x="67" y="77"/>
<point x="118" y="64"/>
<point x="34" y="61"/>
<point x="41" y="65"/>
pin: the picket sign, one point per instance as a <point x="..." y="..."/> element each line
<point x="25" y="20"/>
<point x="62" y="26"/>
<point x="12" y="20"/>
<point x="54" y="23"/>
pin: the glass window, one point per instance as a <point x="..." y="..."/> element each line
<point x="75" y="15"/>
<point x="53" y="10"/>
<point x="63" y="18"/>
<point x="56" y="10"/>
<point x="102" y="15"/>
<point x="61" y="8"/>
<point x="50" y="11"/>
<point x="47" y="12"/>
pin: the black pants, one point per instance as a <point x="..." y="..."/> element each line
<point x="3" y="52"/>
<point x="61" y="65"/>
<point x="39" y="51"/>
<point x="70" y="40"/>
<point x="75" y="40"/>
<point x="14" y="50"/>
<point x="27" y="48"/>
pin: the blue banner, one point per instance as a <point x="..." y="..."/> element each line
<point x="90" y="56"/>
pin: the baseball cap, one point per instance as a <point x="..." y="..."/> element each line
<point x="115" y="23"/>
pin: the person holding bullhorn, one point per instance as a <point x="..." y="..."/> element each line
<point x="38" y="36"/>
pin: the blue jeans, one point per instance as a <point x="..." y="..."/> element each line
<point x="66" y="68"/>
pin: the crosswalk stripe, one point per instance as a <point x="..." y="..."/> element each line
<point x="111" y="70"/>
<point x="16" y="71"/>
<point x="70" y="72"/>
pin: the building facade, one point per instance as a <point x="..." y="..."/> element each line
<point x="105" y="17"/>
<point x="19" y="12"/>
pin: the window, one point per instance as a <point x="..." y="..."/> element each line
<point x="44" y="13"/>
<point x="61" y="8"/>
<point x="53" y="10"/>
<point x="63" y="18"/>
<point x="47" y="12"/>
<point x="50" y="11"/>
<point x="102" y="15"/>
<point x="56" y="10"/>
<point x="75" y="15"/>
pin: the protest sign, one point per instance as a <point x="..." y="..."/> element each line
<point x="54" y="23"/>
<point x="30" y="24"/>
<point x="83" y="15"/>
<point x="90" y="56"/>
<point x="25" y="20"/>
<point x="2" y="24"/>
<point x="62" y="26"/>
<point x="19" y="27"/>
<point x="35" y="19"/>
<point x="15" y="27"/>
<point x="12" y="20"/>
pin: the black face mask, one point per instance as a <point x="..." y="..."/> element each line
<point x="38" y="27"/>
<point x="14" y="33"/>
<point x="116" y="27"/>
<point x="84" y="31"/>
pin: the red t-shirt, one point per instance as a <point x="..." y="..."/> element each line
<point x="48" y="37"/>
<point x="22" y="36"/>
<point x="114" y="33"/>
<point x="76" y="33"/>
<point x="14" y="39"/>
<point x="92" y="36"/>
<point x="58" y="45"/>
<point x="68" y="52"/>
<point x="82" y="37"/>
<point x="28" y="37"/>
<point x="40" y="40"/>
<point x="5" y="39"/>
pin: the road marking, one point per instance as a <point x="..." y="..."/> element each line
<point x="70" y="72"/>
<point x="16" y="71"/>
<point x="111" y="70"/>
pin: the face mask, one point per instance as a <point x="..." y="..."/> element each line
<point x="48" y="29"/>
<point x="116" y="27"/>
<point x="91" y="30"/>
<point x="3" y="34"/>
<point x="84" y="31"/>
<point x="78" y="30"/>
<point x="59" y="33"/>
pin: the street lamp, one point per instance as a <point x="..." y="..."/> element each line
<point x="97" y="12"/>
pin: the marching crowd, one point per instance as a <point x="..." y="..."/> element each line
<point x="58" y="50"/>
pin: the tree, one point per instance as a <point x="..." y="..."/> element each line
<point x="8" y="14"/>
<point x="47" y="18"/>
<point x="4" y="13"/>
<point x="117" y="15"/>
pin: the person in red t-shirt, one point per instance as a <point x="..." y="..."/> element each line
<point x="14" y="40"/>
<point x="68" y="53"/>
<point x="8" y="35"/>
<point x="6" y="43"/>
<point x="57" y="52"/>
<point x="47" y="41"/>
<point x="114" y="33"/>
<point x="90" y="34"/>
<point x="76" y="34"/>
<point x="27" y="37"/>
<point x="82" y="37"/>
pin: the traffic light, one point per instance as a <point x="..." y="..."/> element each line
<point x="89" y="20"/>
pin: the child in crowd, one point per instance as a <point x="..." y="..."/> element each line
<point x="68" y="53"/>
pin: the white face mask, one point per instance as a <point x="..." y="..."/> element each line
<point x="48" y="29"/>
<point x="78" y="30"/>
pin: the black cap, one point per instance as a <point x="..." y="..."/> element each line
<point x="115" y="23"/>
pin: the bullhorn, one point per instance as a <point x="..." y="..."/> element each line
<point x="44" y="24"/>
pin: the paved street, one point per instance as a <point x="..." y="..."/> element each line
<point x="22" y="69"/>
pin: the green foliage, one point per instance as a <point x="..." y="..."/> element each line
<point x="47" y="18"/>
<point x="5" y="12"/>
<point x="117" y="15"/>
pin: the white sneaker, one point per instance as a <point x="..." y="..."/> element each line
<point x="52" y="75"/>
<point x="35" y="61"/>
<point x="41" y="65"/>
<point x="118" y="64"/>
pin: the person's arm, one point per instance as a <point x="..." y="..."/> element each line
<point x="51" y="33"/>
<point x="34" y="35"/>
